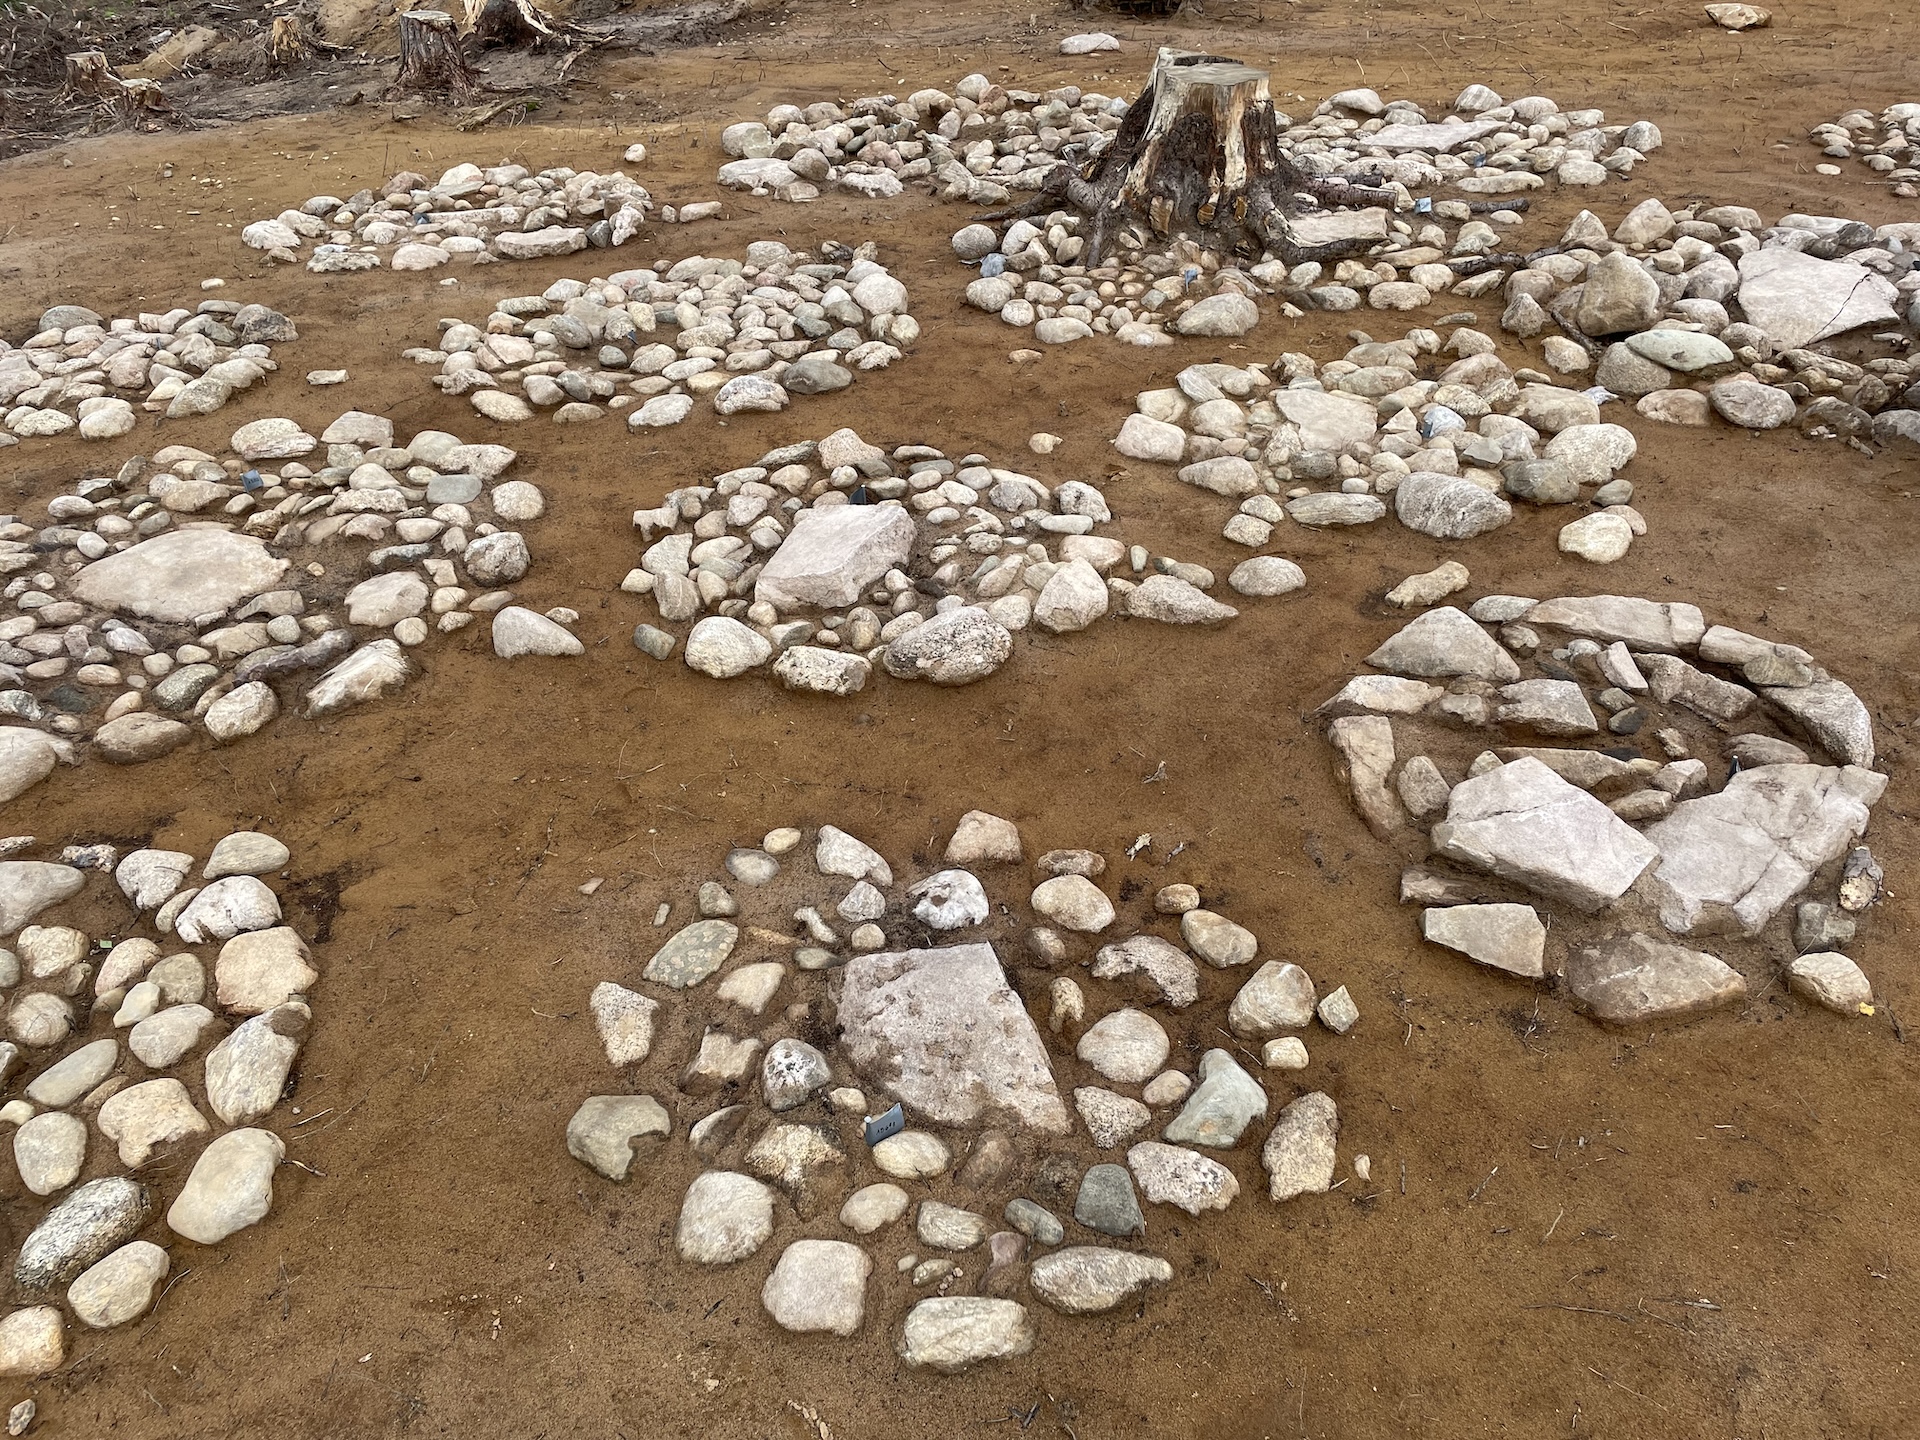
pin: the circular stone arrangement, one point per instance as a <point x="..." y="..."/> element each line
<point x="1622" y="759"/>
<point x="190" y="362"/>
<point x="817" y="989"/>
<point x="1887" y="144"/>
<point x="742" y="336"/>
<point x="504" y="212"/>
<point x="906" y="560"/>
<point x="119" y="1047"/>
<point x="169" y="593"/>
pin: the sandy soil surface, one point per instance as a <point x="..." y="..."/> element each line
<point x="1703" y="1230"/>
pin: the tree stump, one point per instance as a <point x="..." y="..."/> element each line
<point x="513" y="24"/>
<point x="118" y="101"/>
<point x="1198" y="156"/>
<point x="430" y="58"/>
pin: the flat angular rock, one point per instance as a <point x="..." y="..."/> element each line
<point x="602" y="1131"/>
<point x="949" y="900"/>
<point x="1829" y="979"/>
<point x="835" y="852"/>
<point x="1798" y="299"/>
<point x="624" y="1021"/>
<point x="1503" y="937"/>
<point x="519" y="631"/>
<point x="245" y="852"/>
<point x="272" y="439"/>
<point x="234" y="906"/>
<point x="1222" y="1105"/>
<point x="831" y="557"/>
<point x="818" y="1287"/>
<point x="372" y="671"/>
<point x="1447" y="507"/>
<point x="1173" y="601"/>
<point x="1299" y="1153"/>
<point x="953" y="1333"/>
<point x="1090" y="1279"/>
<point x="801" y="1160"/>
<point x="1445" y="642"/>
<point x="1217" y="940"/>
<point x="1171" y="973"/>
<point x="1636" y="978"/>
<point x="1832" y="715"/>
<point x="1365" y="745"/>
<point x="1643" y="624"/>
<point x="983" y="839"/>
<point x="1278" y="997"/>
<point x="1169" y="1175"/>
<point x="1110" y="1119"/>
<point x="1524" y="823"/>
<point x="1327" y="419"/>
<point x="693" y="954"/>
<point x="262" y="969"/>
<point x="821" y="671"/>
<point x="144" y="1118"/>
<point x="1223" y="315"/>
<point x="1335" y="508"/>
<point x="725" y="1217"/>
<point x="948" y="1227"/>
<point x="72" y="1076"/>
<point x="945" y="1034"/>
<point x="1730" y="861"/>
<point x="1553" y="707"/>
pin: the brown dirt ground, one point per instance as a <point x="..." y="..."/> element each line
<point x="449" y="1271"/>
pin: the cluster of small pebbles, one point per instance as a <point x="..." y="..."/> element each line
<point x="745" y="337"/>
<point x="504" y="212"/>
<point x="188" y="362"/>
<point x="1673" y="780"/>
<point x="178" y="591"/>
<point x="830" y="558"/>
<point x="810" y="995"/>
<point x="1887" y="144"/>
<point x="1449" y="453"/>
<point x="119" y="1048"/>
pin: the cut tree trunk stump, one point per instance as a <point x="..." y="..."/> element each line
<point x="511" y="24"/>
<point x="1198" y="157"/>
<point x="118" y="101"/>
<point x="431" y="62"/>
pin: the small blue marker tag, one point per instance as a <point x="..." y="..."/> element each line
<point x="879" y="1127"/>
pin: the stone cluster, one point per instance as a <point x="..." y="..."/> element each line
<point x="1887" y="144"/>
<point x="744" y="337"/>
<point x="504" y="212"/>
<point x="828" y="559"/>
<point x="817" y="989"/>
<point x="188" y="362"/>
<point x="179" y="590"/>
<point x="1676" y="780"/>
<point x="1449" y="454"/>
<point x="174" y="1044"/>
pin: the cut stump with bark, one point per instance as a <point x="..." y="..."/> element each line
<point x="430" y="59"/>
<point x="117" y="100"/>
<point x="510" y="24"/>
<point x="1198" y="157"/>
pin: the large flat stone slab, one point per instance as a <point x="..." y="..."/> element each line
<point x="1524" y="823"/>
<point x="1798" y="299"/>
<point x="1636" y="978"/>
<point x="1728" y="862"/>
<point x="946" y="1035"/>
<point x="1643" y="624"/>
<point x="832" y="556"/>
<point x="180" y="575"/>
<point x="1327" y="419"/>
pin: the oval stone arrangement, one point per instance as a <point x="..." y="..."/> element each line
<point x="191" y="591"/>
<point x="742" y="337"/>
<point x="65" y="376"/>
<point x="1886" y="143"/>
<point x="829" y="559"/>
<point x="1685" y="800"/>
<point x="176" y="1040"/>
<point x="948" y="1098"/>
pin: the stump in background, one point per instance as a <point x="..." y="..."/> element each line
<point x="430" y="58"/>
<point x="514" y="24"/>
<point x="1197" y="156"/>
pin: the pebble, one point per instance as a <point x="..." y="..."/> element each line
<point x="1073" y="902"/>
<point x="1222" y="1105"/>
<point x="873" y="1207"/>
<point x="725" y="1217"/>
<point x="50" y="1151"/>
<point x="150" y="1116"/>
<point x="94" y="1219"/>
<point x="948" y="1227"/>
<point x="1089" y="1279"/>
<point x="1217" y="940"/>
<point x="1034" y="1221"/>
<point x="603" y="1130"/>
<point x="624" y="1021"/>
<point x="1289" y="1052"/>
<point x="1338" y="1012"/>
<point x="953" y="1333"/>
<point x="1110" y="1119"/>
<point x="790" y="1074"/>
<point x="230" y="1187"/>
<point x="818" y="1286"/>
<point x="1299" y="1154"/>
<point x="1128" y="1046"/>
<point x="1106" y="1203"/>
<point x="1169" y="1175"/>
<point x="32" y="1342"/>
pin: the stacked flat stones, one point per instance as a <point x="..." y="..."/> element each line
<point x="1682" y="784"/>
<point x="504" y="212"/>
<point x="172" y="1044"/>
<point x="187" y="362"/>
<point x="816" y="988"/>
<point x="1706" y="311"/>
<point x="744" y="337"/>
<point x="168" y="594"/>
<point x="1031" y="275"/>
<point x="828" y="559"/>
<point x="1338" y="444"/>
<point x="1888" y="144"/>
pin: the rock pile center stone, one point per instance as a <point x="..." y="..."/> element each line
<point x="833" y="555"/>
<point x="180" y="575"/>
<point x="944" y="1032"/>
